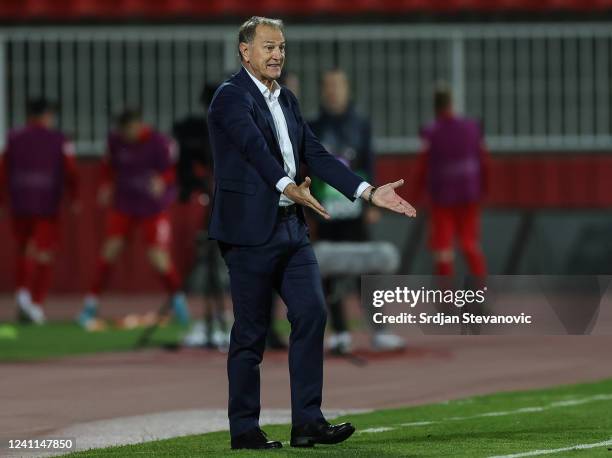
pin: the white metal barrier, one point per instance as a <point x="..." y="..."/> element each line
<point x="534" y="86"/>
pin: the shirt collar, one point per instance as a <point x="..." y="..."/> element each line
<point x="264" y="89"/>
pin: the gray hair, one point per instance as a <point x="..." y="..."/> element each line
<point x="246" y="34"/>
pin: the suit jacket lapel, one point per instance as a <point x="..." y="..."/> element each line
<point x="261" y="102"/>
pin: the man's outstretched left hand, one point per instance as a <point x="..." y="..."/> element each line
<point x="386" y="197"/>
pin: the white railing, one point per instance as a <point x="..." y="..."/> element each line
<point x="534" y="86"/>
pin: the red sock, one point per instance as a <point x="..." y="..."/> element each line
<point x="171" y="280"/>
<point x="42" y="278"/>
<point x="475" y="261"/>
<point x="444" y="268"/>
<point x="103" y="270"/>
<point x="24" y="271"/>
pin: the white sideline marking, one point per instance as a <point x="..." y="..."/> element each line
<point x="418" y="423"/>
<point x="502" y="413"/>
<point x="556" y="450"/>
<point x="377" y="430"/>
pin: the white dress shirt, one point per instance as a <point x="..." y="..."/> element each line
<point x="282" y="133"/>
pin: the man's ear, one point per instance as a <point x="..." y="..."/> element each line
<point x="244" y="51"/>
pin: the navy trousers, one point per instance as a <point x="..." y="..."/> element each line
<point x="285" y="263"/>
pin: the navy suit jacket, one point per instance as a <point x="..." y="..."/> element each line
<point x="248" y="161"/>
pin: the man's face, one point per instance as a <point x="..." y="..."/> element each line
<point x="266" y="55"/>
<point x="131" y="131"/>
<point x="47" y="119"/>
<point x="335" y="92"/>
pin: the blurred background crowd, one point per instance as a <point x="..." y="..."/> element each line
<point x="498" y="117"/>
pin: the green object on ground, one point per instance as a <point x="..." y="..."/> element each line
<point x="8" y="331"/>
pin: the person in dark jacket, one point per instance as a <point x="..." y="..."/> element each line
<point x="347" y="135"/>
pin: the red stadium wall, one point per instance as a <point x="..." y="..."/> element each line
<point x="66" y="10"/>
<point x="548" y="180"/>
<point x="551" y="181"/>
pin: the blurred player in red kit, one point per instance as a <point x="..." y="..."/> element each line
<point x="453" y="167"/>
<point x="38" y="164"/>
<point x="139" y="185"/>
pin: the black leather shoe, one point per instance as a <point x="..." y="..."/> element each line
<point x="320" y="433"/>
<point x="254" y="439"/>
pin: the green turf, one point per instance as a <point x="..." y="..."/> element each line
<point x="31" y="342"/>
<point x="27" y="342"/>
<point x="475" y="436"/>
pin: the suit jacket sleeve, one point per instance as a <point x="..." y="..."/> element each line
<point x="232" y="112"/>
<point x="323" y="164"/>
<point x="368" y="152"/>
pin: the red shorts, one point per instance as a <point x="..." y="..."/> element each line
<point x="41" y="231"/>
<point x="460" y="221"/>
<point x="156" y="229"/>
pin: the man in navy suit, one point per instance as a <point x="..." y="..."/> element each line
<point x="259" y="139"/>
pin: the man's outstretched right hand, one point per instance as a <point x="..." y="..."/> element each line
<point x="301" y="196"/>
